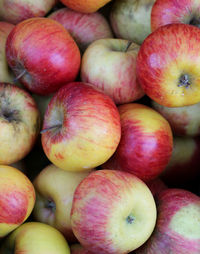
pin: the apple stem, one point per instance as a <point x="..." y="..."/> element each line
<point x="20" y="75"/>
<point x="50" y="128"/>
<point x="128" y="46"/>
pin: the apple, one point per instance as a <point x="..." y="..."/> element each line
<point x="131" y="19"/>
<point x="183" y="167"/>
<point x="112" y="212"/>
<point x="184" y="121"/>
<point x="35" y="238"/>
<point x="17" y="199"/>
<point x="168" y="65"/>
<point x="79" y="249"/>
<point x="54" y="193"/>
<point x="43" y="55"/>
<point x="83" y="6"/>
<point x="84" y="28"/>
<point x="5" y="73"/>
<point x="146" y="142"/>
<point x="177" y="227"/>
<point x="178" y="11"/>
<point x="81" y="128"/>
<point x="15" y="11"/>
<point x="19" y="123"/>
<point x="110" y="65"/>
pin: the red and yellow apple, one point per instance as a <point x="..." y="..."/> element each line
<point x="81" y="128"/>
<point x="175" y="11"/>
<point x="17" y="199"/>
<point x="168" y="66"/>
<point x="83" y="27"/>
<point x="19" y="123"/>
<point x="146" y="142"/>
<point x="177" y="227"/>
<point x="112" y="212"/>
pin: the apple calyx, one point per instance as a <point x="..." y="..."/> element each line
<point x="50" y="205"/>
<point x="8" y="114"/>
<point x="56" y="126"/>
<point x="184" y="81"/>
<point x="130" y="219"/>
<point x="128" y="46"/>
<point x="195" y="22"/>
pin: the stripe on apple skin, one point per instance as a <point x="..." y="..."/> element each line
<point x="13" y="206"/>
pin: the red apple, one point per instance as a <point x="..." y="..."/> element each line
<point x="19" y="123"/>
<point x="81" y="128"/>
<point x="175" y="11"/>
<point x="146" y="143"/>
<point x="15" y="11"/>
<point x="168" y="65"/>
<point x="110" y="65"/>
<point x="112" y="212"/>
<point x="184" y="121"/>
<point x="17" y="199"/>
<point x="183" y="167"/>
<point x="84" y="28"/>
<point x="42" y="55"/>
<point x="177" y="228"/>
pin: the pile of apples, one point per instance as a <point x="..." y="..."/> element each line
<point x="99" y="126"/>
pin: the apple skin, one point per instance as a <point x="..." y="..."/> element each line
<point x="5" y="73"/>
<point x="183" y="167"/>
<point x="184" y="121"/>
<point x="88" y="131"/>
<point x="116" y="59"/>
<point x="113" y="212"/>
<point x="79" y="249"/>
<point x="35" y="238"/>
<point x="146" y="142"/>
<point x="86" y="6"/>
<point x="84" y="28"/>
<point x="178" y="11"/>
<point x="177" y="227"/>
<point x="54" y="193"/>
<point x="17" y="199"/>
<point x="44" y="67"/>
<point x="19" y="123"/>
<point x="15" y="11"/>
<point x="131" y="19"/>
<point x="168" y="66"/>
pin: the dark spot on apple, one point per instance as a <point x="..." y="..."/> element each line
<point x="195" y="21"/>
<point x="50" y="204"/>
<point x="6" y="110"/>
<point x="184" y="81"/>
<point x="130" y="219"/>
